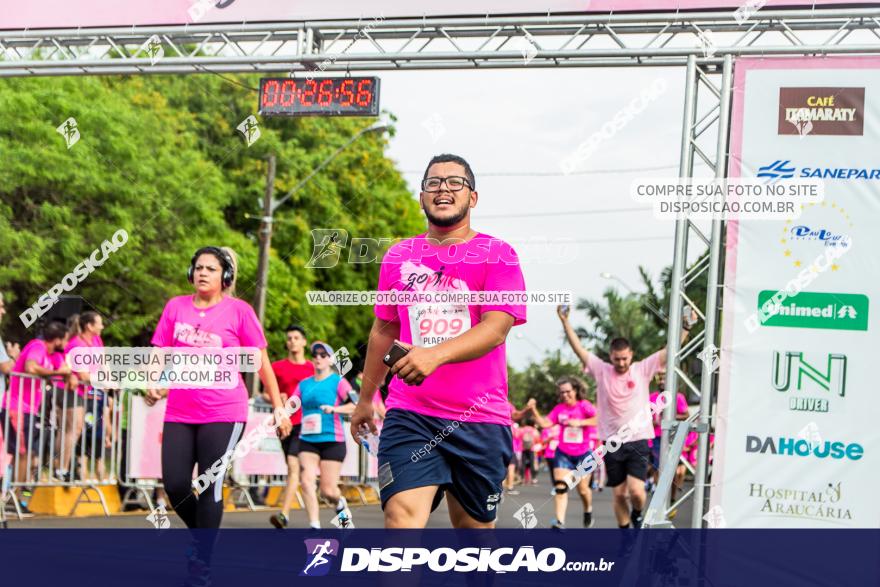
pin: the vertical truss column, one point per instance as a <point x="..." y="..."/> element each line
<point x="717" y="117"/>
<point x="713" y="293"/>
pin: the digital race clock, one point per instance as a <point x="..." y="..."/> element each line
<point x="337" y="96"/>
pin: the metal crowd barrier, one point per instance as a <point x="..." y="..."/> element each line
<point x="57" y="438"/>
<point x="64" y="441"/>
<point x="133" y="491"/>
<point x="241" y="486"/>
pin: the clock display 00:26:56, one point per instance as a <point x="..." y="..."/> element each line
<point x="320" y="96"/>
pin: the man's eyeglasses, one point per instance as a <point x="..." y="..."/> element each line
<point x="453" y="183"/>
<point x="320" y="355"/>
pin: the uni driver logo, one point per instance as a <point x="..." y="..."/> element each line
<point x="320" y="552"/>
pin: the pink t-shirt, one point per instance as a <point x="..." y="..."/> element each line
<point x="477" y="387"/>
<point x="620" y="398"/>
<point x="57" y="359"/>
<point x="229" y="323"/>
<point x="35" y="350"/>
<point x="550" y="439"/>
<point x="681" y="408"/>
<point x="573" y="440"/>
<point x="517" y="438"/>
<point x="78" y="341"/>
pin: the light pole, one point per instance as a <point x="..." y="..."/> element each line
<point x="655" y="311"/>
<point x="269" y="207"/>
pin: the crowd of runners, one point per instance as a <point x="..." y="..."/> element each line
<point x="443" y="368"/>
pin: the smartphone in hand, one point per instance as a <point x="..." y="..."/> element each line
<point x="394" y="354"/>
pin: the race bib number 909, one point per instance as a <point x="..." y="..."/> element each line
<point x="431" y="324"/>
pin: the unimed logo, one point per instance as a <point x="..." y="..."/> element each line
<point x="320" y="554"/>
<point x="831" y="311"/>
<point x="788" y="446"/>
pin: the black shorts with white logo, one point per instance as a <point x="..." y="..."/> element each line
<point x="467" y="459"/>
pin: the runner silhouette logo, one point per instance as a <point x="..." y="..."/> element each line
<point x="320" y="553"/>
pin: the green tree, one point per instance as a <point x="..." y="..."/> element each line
<point x="161" y="157"/>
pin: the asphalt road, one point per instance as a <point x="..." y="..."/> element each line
<point x="536" y="498"/>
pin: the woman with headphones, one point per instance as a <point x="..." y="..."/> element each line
<point x="204" y="424"/>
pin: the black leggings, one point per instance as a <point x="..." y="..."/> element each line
<point x="184" y="445"/>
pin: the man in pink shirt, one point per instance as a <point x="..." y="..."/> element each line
<point x="447" y="428"/>
<point x="621" y="397"/>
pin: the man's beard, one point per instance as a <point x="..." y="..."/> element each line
<point x="447" y="222"/>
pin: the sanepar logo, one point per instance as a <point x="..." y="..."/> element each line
<point x="783" y="169"/>
<point x="804" y="448"/>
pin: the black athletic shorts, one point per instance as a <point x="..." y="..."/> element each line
<point x="468" y="459"/>
<point x="631" y="458"/>
<point x="291" y="443"/>
<point x="327" y="451"/>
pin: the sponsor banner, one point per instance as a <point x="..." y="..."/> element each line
<point x="266" y="457"/>
<point x="796" y="432"/>
<point x="15" y="14"/>
<point x="145" y="425"/>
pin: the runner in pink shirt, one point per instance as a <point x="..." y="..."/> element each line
<point x="513" y="466"/>
<point x="85" y="331"/>
<point x="550" y="441"/>
<point x="202" y="426"/>
<point x="681" y="414"/>
<point x="622" y="400"/>
<point x="22" y="403"/>
<point x="448" y="399"/>
<point x="575" y="415"/>
<point x="529" y="437"/>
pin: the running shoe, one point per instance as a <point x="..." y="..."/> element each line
<point x="557" y="525"/>
<point x="588" y="519"/>
<point x="637" y="517"/>
<point x="279" y="520"/>
<point x="512" y="492"/>
<point x="343" y="514"/>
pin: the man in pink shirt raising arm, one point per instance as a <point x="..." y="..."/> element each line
<point x="621" y="396"/>
<point x="447" y="428"/>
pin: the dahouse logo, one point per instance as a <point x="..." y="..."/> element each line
<point x="787" y="446"/>
<point x="821" y="111"/>
<point x="791" y="372"/>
